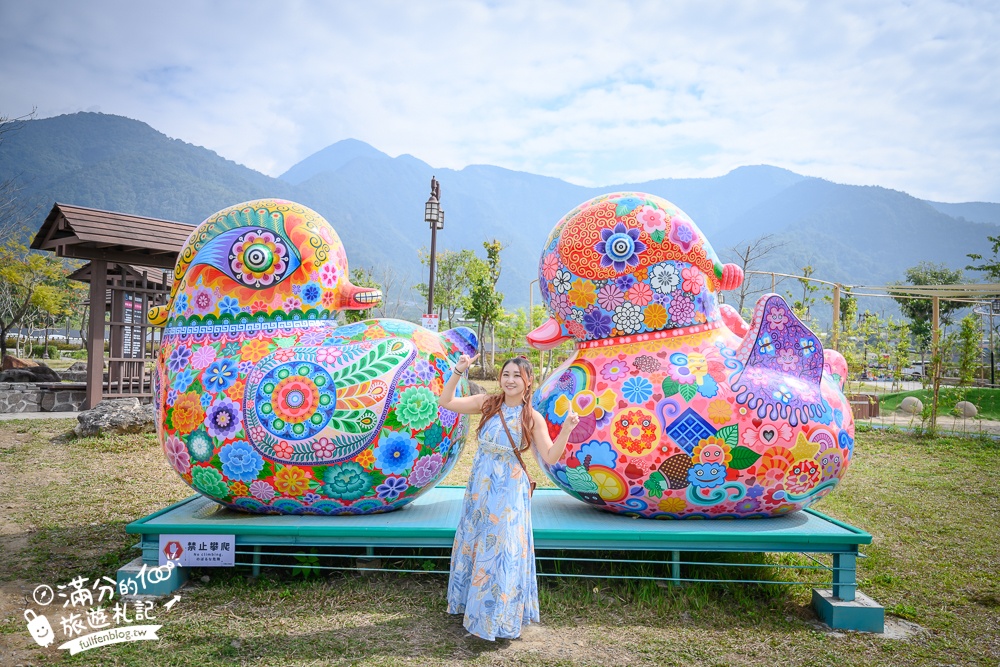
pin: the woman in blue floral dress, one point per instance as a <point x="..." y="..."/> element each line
<point x="492" y="580"/>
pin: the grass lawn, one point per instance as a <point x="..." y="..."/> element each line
<point x="932" y="505"/>
<point x="987" y="401"/>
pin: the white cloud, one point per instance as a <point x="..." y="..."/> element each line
<point x="897" y="94"/>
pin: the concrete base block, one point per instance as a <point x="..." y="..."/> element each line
<point x="862" y="613"/>
<point x="139" y="583"/>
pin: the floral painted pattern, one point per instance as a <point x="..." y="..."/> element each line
<point x="680" y="417"/>
<point x="267" y="405"/>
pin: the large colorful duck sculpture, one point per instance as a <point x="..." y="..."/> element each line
<point x="687" y="410"/>
<point x="264" y="404"/>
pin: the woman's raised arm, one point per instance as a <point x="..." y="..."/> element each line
<point x="551" y="451"/>
<point x="465" y="405"/>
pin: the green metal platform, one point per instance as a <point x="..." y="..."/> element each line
<point x="559" y="522"/>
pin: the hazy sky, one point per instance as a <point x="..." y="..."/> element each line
<point x="900" y="94"/>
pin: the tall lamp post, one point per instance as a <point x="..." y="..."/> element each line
<point x="434" y="217"/>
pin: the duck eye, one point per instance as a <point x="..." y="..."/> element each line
<point x="258" y="257"/>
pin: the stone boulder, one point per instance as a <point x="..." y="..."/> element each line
<point x="78" y="367"/>
<point x="124" y="415"/>
<point x="911" y="405"/>
<point x="966" y="409"/>
<point x="13" y="369"/>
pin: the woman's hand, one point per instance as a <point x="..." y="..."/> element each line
<point x="464" y="363"/>
<point x="572" y="419"/>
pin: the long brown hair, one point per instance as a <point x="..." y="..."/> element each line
<point x="491" y="405"/>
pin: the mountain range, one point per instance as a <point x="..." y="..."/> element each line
<point x="860" y="235"/>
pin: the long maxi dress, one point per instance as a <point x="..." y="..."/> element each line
<point x="492" y="578"/>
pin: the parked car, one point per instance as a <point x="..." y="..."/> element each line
<point x="916" y="371"/>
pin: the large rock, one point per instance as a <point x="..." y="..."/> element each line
<point x="35" y="373"/>
<point x="966" y="409"/>
<point x="124" y="415"/>
<point x="912" y="405"/>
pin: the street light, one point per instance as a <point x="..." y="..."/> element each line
<point x="434" y="217"/>
<point x="531" y="308"/>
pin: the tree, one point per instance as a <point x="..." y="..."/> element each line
<point x="391" y="282"/>
<point x="484" y="303"/>
<point x="13" y="214"/>
<point x="919" y="311"/>
<point x="749" y="256"/>
<point x="801" y="307"/>
<point x="990" y="267"/>
<point x="970" y="341"/>
<point x="451" y="281"/>
<point x="361" y="277"/>
<point x="27" y="280"/>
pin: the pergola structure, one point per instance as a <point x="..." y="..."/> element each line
<point x="131" y="265"/>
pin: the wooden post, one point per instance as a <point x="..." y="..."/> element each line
<point x="95" y="333"/>
<point x="836" y="317"/>
<point x="935" y="356"/>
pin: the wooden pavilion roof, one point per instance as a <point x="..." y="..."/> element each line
<point x="87" y="233"/>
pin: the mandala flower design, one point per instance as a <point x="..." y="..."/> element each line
<point x="258" y="258"/>
<point x="347" y="481"/>
<point x="187" y="413"/>
<point x="283" y="450"/>
<point x="582" y="293"/>
<point x="619" y="247"/>
<point x="229" y="306"/>
<point x="719" y="411"/>
<point x="395" y="453"/>
<point x="654" y="317"/>
<point x="628" y="318"/>
<point x="329" y="275"/>
<point x="241" y="461"/>
<point x="672" y="505"/>
<point x="203" y="357"/>
<point x="614" y="370"/>
<point x="692" y="280"/>
<point x="561" y="282"/>
<point x="610" y="297"/>
<point x="802" y="476"/>
<point x="682" y="233"/>
<point x="178" y="359"/>
<point x="597" y="324"/>
<point x="239" y="489"/>
<point x="224" y="418"/>
<point x="637" y="390"/>
<point x="291" y="303"/>
<point x="651" y="219"/>
<point x="324" y="448"/>
<point x="291" y="481"/>
<point x="392" y="488"/>
<point x="202" y="301"/>
<point x="624" y="283"/>
<point x="328" y="355"/>
<point x="261" y="490"/>
<point x="177" y="454"/>
<point x="426" y="469"/>
<point x="220" y="375"/>
<point x="447" y="418"/>
<point x="417" y="408"/>
<point x="682" y="309"/>
<point x="183" y="380"/>
<point x="209" y="481"/>
<point x="366" y="458"/>
<point x="550" y="265"/>
<point x="310" y="293"/>
<point x="640" y="294"/>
